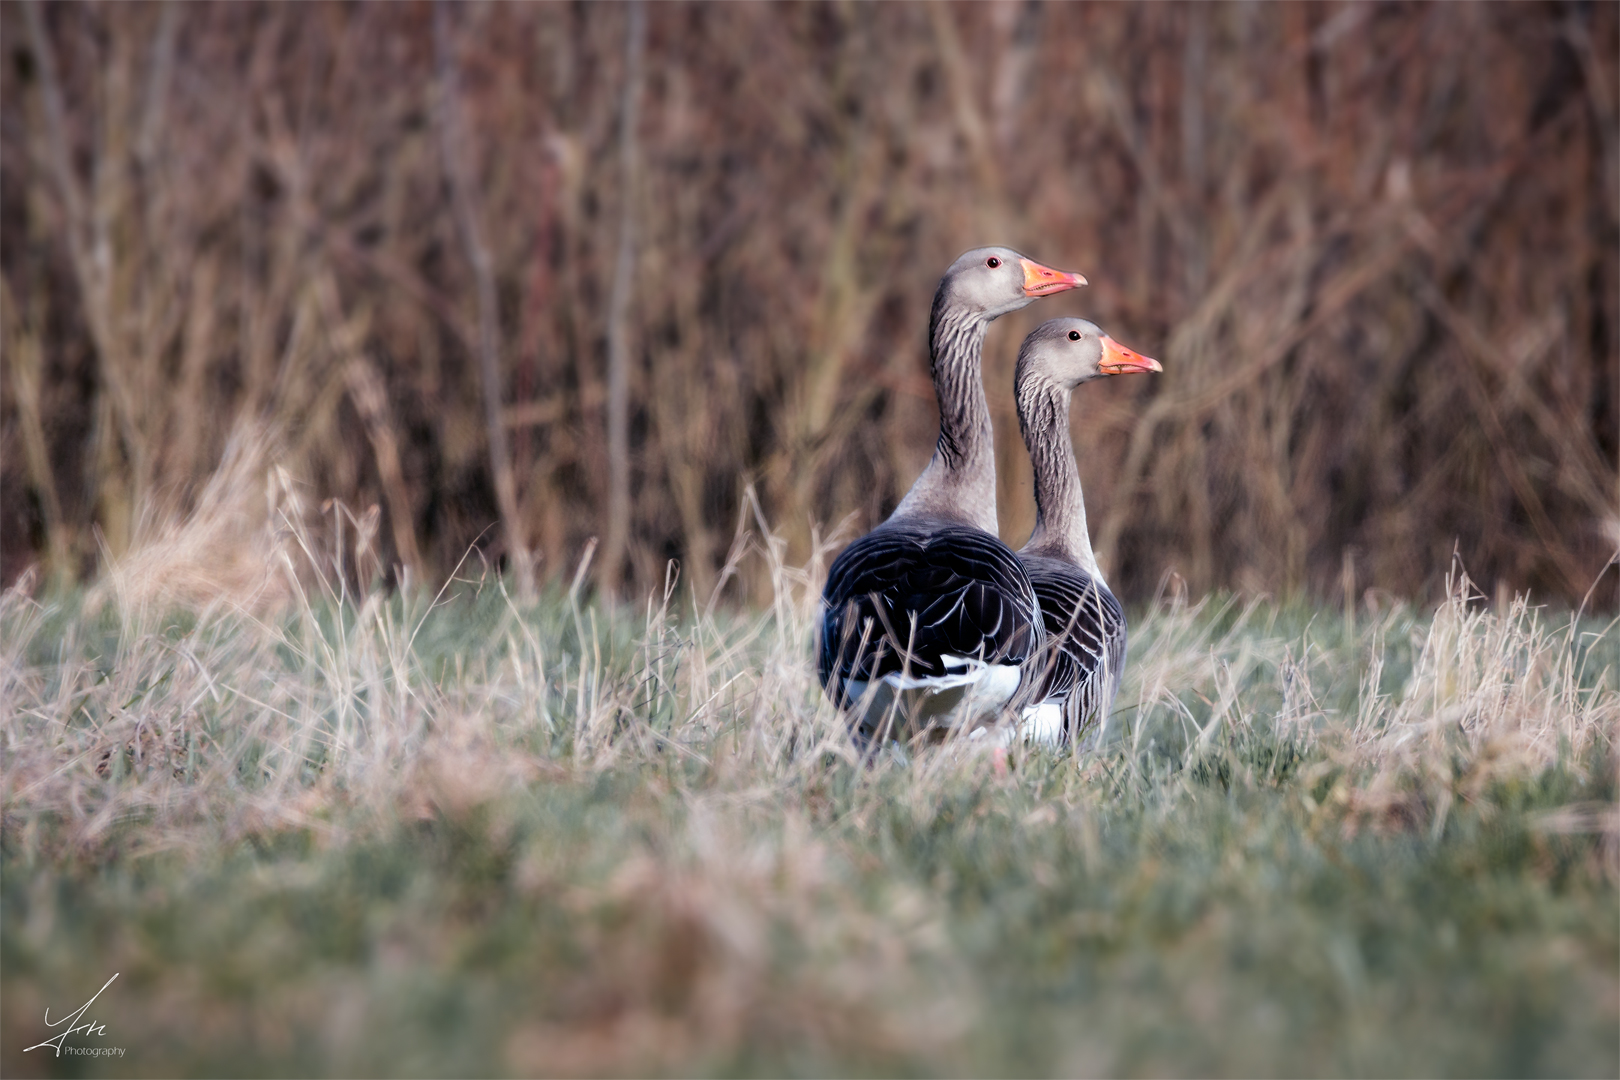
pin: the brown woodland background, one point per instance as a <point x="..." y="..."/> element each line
<point x="526" y="274"/>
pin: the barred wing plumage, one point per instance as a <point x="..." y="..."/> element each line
<point x="1086" y="640"/>
<point x="944" y="593"/>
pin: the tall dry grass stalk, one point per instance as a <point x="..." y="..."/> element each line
<point x="1375" y="248"/>
<point x="354" y="704"/>
<point x="223" y="552"/>
<point x="1494" y="693"/>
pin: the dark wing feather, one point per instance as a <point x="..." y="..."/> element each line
<point x="1086" y="638"/>
<point x="936" y="588"/>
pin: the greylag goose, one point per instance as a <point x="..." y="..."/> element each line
<point x="930" y="613"/>
<point x="1085" y="625"/>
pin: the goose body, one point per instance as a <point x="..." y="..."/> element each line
<point x="1084" y="622"/>
<point x="1086" y="641"/>
<point x="950" y="595"/>
<point x="930" y="618"/>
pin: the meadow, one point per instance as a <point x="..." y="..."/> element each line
<point x="439" y="785"/>
<point x="372" y="832"/>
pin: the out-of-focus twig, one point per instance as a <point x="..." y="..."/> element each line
<point x="457" y="166"/>
<point x="25" y="363"/>
<point x="618" y="406"/>
<point x="370" y="397"/>
<point x="970" y="122"/>
<point x="1507" y="460"/>
<point x="148" y="137"/>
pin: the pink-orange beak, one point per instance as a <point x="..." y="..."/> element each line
<point x="1118" y="360"/>
<point x="1044" y="281"/>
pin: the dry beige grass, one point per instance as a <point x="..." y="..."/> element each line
<point x="229" y="549"/>
<point x="202" y="704"/>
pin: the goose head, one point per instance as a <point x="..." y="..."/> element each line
<point x="991" y="281"/>
<point x="1068" y="352"/>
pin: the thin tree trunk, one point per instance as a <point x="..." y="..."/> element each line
<point x="27" y="364"/>
<point x="618" y="405"/>
<point x="455" y="150"/>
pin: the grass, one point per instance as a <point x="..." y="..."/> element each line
<point x="378" y="834"/>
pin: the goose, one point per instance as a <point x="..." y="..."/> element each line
<point x="1085" y="625"/>
<point x="930" y="614"/>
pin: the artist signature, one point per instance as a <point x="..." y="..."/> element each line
<point x="89" y="1027"/>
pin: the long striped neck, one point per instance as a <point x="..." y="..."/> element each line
<point x="960" y="480"/>
<point x="1060" y="509"/>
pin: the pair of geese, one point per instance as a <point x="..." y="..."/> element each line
<point x="929" y="621"/>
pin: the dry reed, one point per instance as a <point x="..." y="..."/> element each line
<point x="1375" y="247"/>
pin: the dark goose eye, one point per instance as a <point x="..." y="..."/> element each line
<point x="992" y="262"/>
<point x="1074" y="335"/>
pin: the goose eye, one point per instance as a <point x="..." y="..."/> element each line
<point x="993" y="262"/>
<point x="1074" y="335"/>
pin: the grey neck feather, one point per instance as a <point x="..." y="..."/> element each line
<point x="1060" y="509"/>
<point x="959" y="483"/>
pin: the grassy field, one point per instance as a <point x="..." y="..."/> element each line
<point x="372" y="834"/>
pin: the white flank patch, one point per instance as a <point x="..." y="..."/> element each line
<point x="970" y="692"/>
<point x="1042" y="724"/>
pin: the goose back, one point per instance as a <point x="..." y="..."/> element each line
<point x="1086" y="642"/>
<point x="942" y="610"/>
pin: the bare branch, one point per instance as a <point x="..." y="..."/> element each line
<point x="457" y="167"/>
<point x="618" y="409"/>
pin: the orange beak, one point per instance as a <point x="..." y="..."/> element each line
<point x="1044" y="281"/>
<point x="1118" y="360"/>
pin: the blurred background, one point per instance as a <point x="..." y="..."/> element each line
<point x="524" y="275"/>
